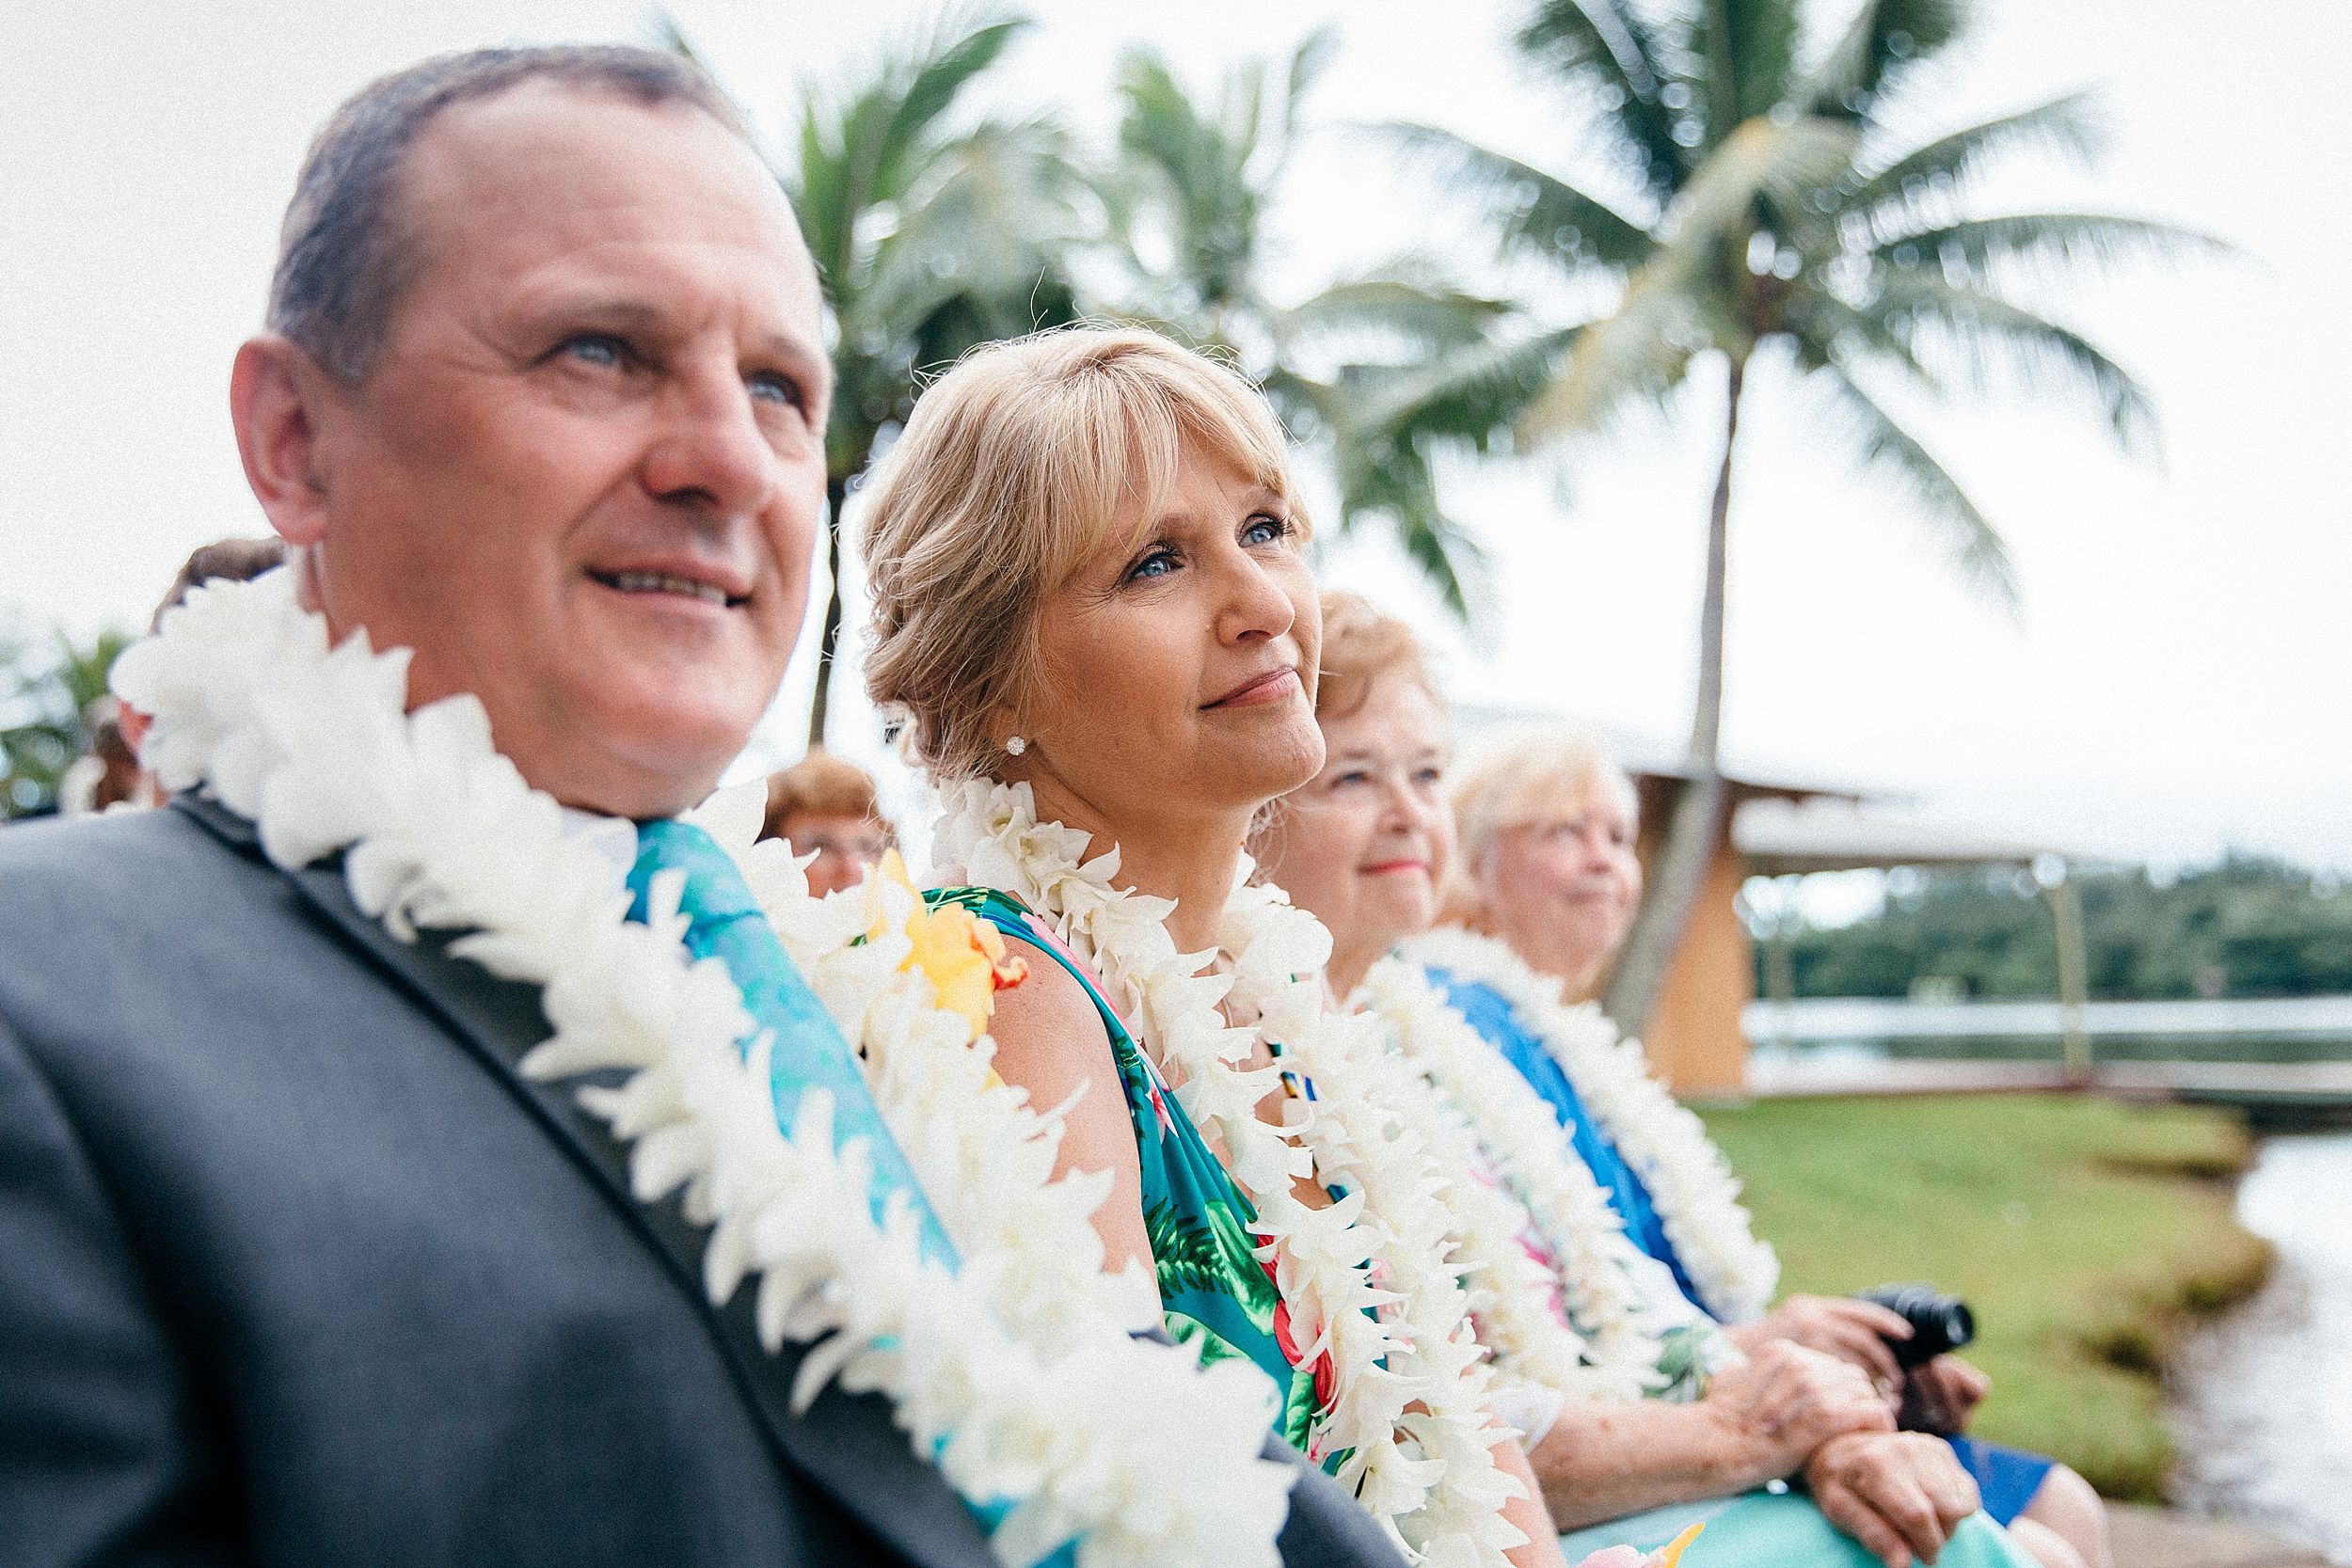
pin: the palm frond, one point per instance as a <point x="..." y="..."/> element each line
<point x="1389" y="479"/>
<point x="1470" y="395"/>
<point x="1309" y="61"/>
<point x="994" y="219"/>
<point x="1638" y="352"/>
<point x="1605" y="47"/>
<point x="1783" y="163"/>
<point x="1821" y="325"/>
<point x="1405" y="306"/>
<point x="1542" y="214"/>
<point x="1200" y="182"/>
<point x="1884" y="38"/>
<point x="1893" y="194"/>
<point x="1739" y="55"/>
<point x="1969" y="540"/>
<point x="1989" y="336"/>
<point x="936" y="79"/>
<point x="1972" y="249"/>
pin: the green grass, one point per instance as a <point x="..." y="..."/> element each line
<point x="2084" y="1234"/>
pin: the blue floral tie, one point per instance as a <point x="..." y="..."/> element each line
<point x="726" y="921"/>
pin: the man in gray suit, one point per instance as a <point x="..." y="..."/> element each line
<point x="295" y="1265"/>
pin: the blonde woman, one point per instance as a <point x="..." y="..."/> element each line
<point x="1092" y="609"/>
<point x="1655" y="1420"/>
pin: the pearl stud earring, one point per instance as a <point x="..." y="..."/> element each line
<point x="1015" y="745"/>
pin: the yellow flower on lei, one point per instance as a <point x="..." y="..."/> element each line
<point x="962" y="957"/>
<point x="1670" y="1553"/>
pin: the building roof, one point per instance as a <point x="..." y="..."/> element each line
<point x="1645" y="757"/>
<point x="1785" y="825"/>
<point x="1784" y="836"/>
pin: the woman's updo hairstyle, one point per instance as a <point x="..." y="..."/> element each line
<point x="1016" y="469"/>
<point x="1361" y="646"/>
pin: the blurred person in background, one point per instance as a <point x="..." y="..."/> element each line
<point x="824" y="806"/>
<point x="110" y="775"/>
<point x="232" y="560"/>
<point x="1644" y="1415"/>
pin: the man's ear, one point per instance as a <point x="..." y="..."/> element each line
<point x="274" y="393"/>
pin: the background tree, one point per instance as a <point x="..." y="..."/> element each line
<point x="47" y="686"/>
<point x="1187" y="200"/>
<point x="1765" y="210"/>
<point x="933" y="231"/>
<point x="2246" y="927"/>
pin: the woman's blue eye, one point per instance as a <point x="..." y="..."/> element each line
<point x="1264" y="530"/>
<point x="1157" y="565"/>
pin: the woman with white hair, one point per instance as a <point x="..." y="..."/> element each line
<point x="1091" y="609"/>
<point x="1547" y="886"/>
<point x="1643" y="1414"/>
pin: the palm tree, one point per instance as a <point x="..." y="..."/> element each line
<point x="932" y="234"/>
<point x="1187" y="200"/>
<point x="1764" y="213"/>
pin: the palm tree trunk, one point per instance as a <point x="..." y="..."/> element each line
<point x="1679" y="869"/>
<point x="821" y="704"/>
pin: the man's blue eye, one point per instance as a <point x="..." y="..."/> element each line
<point x="594" y="348"/>
<point x="777" y="388"/>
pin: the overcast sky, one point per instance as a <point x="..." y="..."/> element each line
<point x="2178" y="682"/>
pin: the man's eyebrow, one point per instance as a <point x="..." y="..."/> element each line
<point x="604" y="311"/>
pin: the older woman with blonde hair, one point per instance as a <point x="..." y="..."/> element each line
<point x="1092" y="613"/>
<point x="1657" y="1417"/>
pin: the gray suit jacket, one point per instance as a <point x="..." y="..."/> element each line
<point x="295" y="1268"/>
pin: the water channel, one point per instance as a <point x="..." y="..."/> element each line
<point x="2264" y="1396"/>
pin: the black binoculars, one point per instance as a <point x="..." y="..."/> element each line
<point x="1938" y="1323"/>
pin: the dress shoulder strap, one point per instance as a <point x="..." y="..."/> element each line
<point x="1014" y="919"/>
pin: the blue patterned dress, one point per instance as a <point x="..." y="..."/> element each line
<point x="1760" y="1529"/>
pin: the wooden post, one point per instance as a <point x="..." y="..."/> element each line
<point x="2066" y="923"/>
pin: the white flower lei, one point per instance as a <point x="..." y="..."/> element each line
<point x="1019" y="1387"/>
<point x="1611" y="1353"/>
<point x="1697" y="1195"/>
<point x="1428" y="1474"/>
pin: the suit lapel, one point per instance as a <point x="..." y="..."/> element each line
<point x="844" y="1442"/>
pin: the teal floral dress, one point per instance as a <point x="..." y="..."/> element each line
<point x="1216" y="1292"/>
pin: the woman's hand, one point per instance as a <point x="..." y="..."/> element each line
<point x="1784" y="1403"/>
<point x="1853" y="1330"/>
<point x="1901" y="1494"/>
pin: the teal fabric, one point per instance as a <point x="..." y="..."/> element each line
<point x="1215" y="1292"/>
<point x="725" y="921"/>
<point x="1764" y="1530"/>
